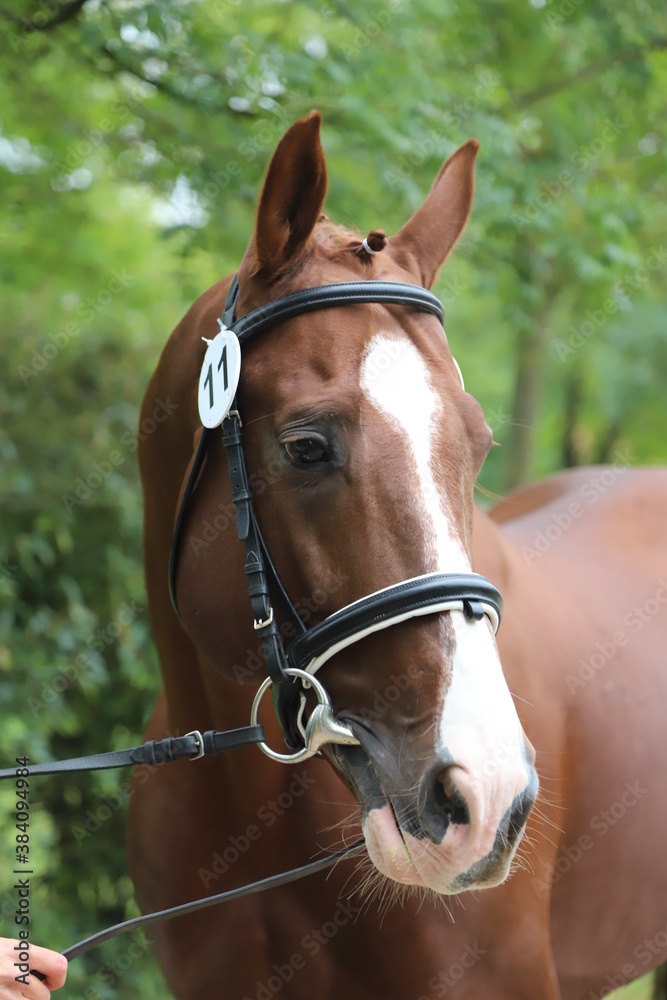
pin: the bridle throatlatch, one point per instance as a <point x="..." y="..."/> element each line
<point x="432" y="593"/>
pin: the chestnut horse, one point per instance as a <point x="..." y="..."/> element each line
<point x="362" y="449"/>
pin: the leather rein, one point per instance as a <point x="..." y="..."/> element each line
<point x="431" y="593"/>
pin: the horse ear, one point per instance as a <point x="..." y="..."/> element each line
<point x="426" y="239"/>
<point x="292" y="198"/>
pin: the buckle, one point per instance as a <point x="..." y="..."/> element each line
<point x="200" y="744"/>
<point x="259" y="623"/>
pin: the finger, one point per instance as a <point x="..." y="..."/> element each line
<point x="15" y="981"/>
<point x="51" y="964"/>
<point x="34" y="990"/>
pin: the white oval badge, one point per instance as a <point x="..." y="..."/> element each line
<point x="219" y="378"/>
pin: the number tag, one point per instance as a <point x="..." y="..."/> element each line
<point x="219" y="378"/>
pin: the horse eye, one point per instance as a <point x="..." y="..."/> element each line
<point x="306" y="451"/>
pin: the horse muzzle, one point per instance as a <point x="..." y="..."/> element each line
<point x="445" y="829"/>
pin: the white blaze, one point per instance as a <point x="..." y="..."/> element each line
<point x="395" y="377"/>
<point x="478" y="727"/>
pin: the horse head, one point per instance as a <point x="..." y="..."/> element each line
<point x="363" y="448"/>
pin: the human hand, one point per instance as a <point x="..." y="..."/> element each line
<point x="51" y="964"/>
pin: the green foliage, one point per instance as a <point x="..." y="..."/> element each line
<point x="133" y="140"/>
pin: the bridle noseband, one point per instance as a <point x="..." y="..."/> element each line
<point x="432" y="593"/>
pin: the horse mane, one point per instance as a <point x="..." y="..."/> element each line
<point x="343" y="245"/>
<point x="329" y="243"/>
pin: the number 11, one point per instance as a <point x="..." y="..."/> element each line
<point x="209" y="376"/>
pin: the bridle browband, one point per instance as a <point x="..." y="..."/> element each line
<point x="432" y="593"/>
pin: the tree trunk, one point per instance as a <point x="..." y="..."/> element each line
<point x="530" y="347"/>
<point x="570" y="450"/>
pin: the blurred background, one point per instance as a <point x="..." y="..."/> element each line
<point x="134" y="136"/>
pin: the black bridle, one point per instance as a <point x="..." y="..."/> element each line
<point x="432" y="593"/>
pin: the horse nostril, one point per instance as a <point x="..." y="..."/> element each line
<point x="440" y="803"/>
<point x="449" y="798"/>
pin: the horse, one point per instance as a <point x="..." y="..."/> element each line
<point x="479" y="879"/>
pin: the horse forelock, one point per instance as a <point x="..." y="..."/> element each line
<point x="333" y="252"/>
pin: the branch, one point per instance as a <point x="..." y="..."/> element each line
<point x="629" y="56"/>
<point x="66" y="13"/>
<point x="164" y="124"/>
<point x="161" y="85"/>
